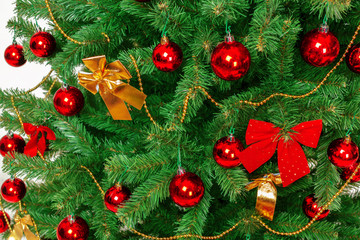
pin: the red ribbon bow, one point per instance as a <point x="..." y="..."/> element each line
<point x="36" y="144"/>
<point x="265" y="137"/>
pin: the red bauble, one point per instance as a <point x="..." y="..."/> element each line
<point x="42" y="44"/>
<point x="230" y="60"/>
<point x="13" y="143"/>
<point x="68" y="101"/>
<point x="353" y="58"/>
<point x="14" y="55"/>
<point x="347" y="172"/>
<point x="167" y="56"/>
<point x="319" y="47"/>
<point x="227" y="151"/>
<point x="72" y="228"/>
<point x="186" y="189"/>
<point x="115" y="196"/>
<point x="13" y="190"/>
<point x="3" y="224"/>
<point x="311" y="208"/>
<point x="343" y="152"/>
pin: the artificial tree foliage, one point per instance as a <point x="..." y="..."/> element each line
<point x="144" y="156"/>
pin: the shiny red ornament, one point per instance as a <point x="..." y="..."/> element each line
<point x="186" y="189"/>
<point x="13" y="190"/>
<point x="68" y="101"/>
<point x="227" y="150"/>
<point x="353" y="58"/>
<point x="311" y="208"/>
<point x="3" y="224"/>
<point x="230" y="60"/>
<point x="343" y="152"/>
<point x="320" y="47"/>
<point x="115" y="197"/>
<point x="12" y="143"/>
<point x="347" y="172"/>
<point x="72" y="228"/>
<point x="42" y="44"/>
<point x="14" y="55"/>
<point x="167" y="56"/>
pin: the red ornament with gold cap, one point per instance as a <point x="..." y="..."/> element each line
<point x="72" y="227"/>
<point x="167" y="56"/>
<point x="115" y="196"/>
<point x="68" y="100"/>
<point x="320" y="47"/>
<point x="3" y="225"/>
<point x="343" y="152"/>
<point x="13" y="190"/>
<point x="42" y="44"/>
<point x="11" y="143"/>
<point x="186" y="189"/>
<point x="353" y="58"/>
<point x="14" y="55"/>
<point x="311" y="208"/>
<point x="227" y="150"/>
<point x="230" y="60"/>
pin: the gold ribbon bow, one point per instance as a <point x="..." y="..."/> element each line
<point x="266" y="195"/>
<point x="21" y="227"/>
<point x="106" y="78"/>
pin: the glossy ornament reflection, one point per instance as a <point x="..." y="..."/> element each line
<point x="14" y="55"/>
<point x="115" y="196"/>
<point x="230" y="60"/>
<point x="227" y="151"/>
<point x="72" y="228"/>
<point x="311" y="208"/>
<point x="68" y="101"/>
<point x="320" y="47"/>
<point x="11" y="143"/>
<point x="13" y="190"/>
<point x="42" y="44"/>
<point x="167" y="56"/>
<point x="343" y="152"/>
<point x="353" y="58"/>
<point x="186" y="189"/>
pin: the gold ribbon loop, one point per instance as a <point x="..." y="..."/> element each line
<point x="106" y="79"/>
<point x="21" y="228"/>
<point x="266" y="195"/>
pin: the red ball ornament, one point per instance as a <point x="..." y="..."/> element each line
<point x="167" y="56"/>
<point x="12" y="143"/>
<point x="13" y="190"/>
<point x="343" y="152"/>
<point x="311" y="208"/>
<point x="353" y="58"/>
<point x="230" y="60"/>
<point x="115" y="196"/>
<point x="347" y="172"/>
<point x="3" y="224"/>
<point x="72" y="228"/>
<point x="227" y="150"/>
<point x="42" y="44"/>
<point x="68" y="101"/>
<point x="186" y="189"/>
<point x="14" y="55"/>
<point x="320" y="47"/>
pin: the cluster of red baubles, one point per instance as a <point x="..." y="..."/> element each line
<point x="42" y="44"/>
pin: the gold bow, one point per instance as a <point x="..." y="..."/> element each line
<point x="21" y="227"/>
<point x="266" y="195"/>
<point x="106" y="78"/>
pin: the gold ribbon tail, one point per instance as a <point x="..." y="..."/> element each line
<point x="266" y="194"/>
<point x="21" y="227"/>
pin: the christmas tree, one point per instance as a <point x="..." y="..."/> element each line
<point x="174" y="119"/>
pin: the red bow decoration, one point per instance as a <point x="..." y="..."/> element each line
<point x="265" y="137"/>
<point x="36" y="144"/>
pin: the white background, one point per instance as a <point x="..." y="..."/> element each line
<point x="24" y="77"/>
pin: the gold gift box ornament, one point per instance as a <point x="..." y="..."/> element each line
<point x="266" y="195"/>
<point x="107" y="80"/>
